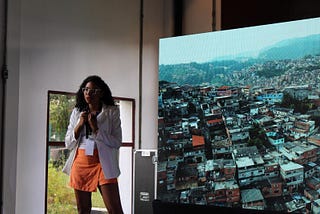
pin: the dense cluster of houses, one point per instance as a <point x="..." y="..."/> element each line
<point x="236" y="147"/>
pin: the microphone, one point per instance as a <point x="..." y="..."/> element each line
<point x="88" y="129"/>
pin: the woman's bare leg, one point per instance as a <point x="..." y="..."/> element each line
<point x="111" y="198"/>
<point x="83" y="199"/>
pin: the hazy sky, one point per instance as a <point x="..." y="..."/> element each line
<point x="207" y="46"/>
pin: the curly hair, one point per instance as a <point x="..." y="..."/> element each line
<point x="106" y="98"/>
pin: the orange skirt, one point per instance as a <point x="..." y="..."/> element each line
<point x="86" y="172"/>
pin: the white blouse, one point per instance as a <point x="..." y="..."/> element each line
<point x="108" y="140"/>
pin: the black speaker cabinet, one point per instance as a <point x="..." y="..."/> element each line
<point x="145" y="183"/>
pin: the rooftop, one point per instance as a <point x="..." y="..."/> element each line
<point x="251" y="195"/>
<point x="290" y="166"/>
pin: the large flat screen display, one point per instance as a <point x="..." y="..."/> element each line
<point x="239" y="116"/>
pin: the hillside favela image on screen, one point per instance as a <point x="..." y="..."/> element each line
<point x="238" y="119"/>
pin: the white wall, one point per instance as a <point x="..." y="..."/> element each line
<point x="61" y="43"/>
<point x="54" y="46"/>
<point x="157" y="23"/>
<point x="11" y="111"/>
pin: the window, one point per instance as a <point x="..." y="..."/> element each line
<point x="59" y="108"/>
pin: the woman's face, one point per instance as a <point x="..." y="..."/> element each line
<point x="92" y="93"/>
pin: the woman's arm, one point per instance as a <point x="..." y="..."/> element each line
<point x="74" y="129"/>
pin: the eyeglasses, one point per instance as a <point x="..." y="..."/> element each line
<point x="91" y="90"/>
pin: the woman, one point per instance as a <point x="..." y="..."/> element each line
<point x="94" y="137"/>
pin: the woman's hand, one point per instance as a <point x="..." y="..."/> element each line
<point x="82" y="121"/>
<point x="83" y="118"/>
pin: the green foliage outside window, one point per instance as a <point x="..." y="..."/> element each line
<point x="61" y="198"/>
<point x="61" y="106"/>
